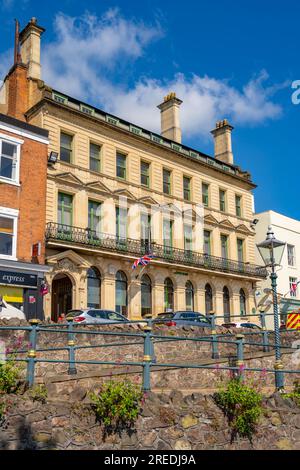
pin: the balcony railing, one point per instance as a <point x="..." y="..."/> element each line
<point x="107" y="242"/>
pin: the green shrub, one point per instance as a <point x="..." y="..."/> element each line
<point x="117" y="405"/>
<point x="39" y="393"/>
<point x="295" y="394"/>
<point x="9" y="377"/>
<point x="242" y="405"/>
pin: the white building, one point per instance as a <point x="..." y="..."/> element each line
<point x="286" y="230"/>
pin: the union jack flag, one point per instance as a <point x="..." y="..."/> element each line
<point x="143" y="261"/>
<point x="294" y="286"/>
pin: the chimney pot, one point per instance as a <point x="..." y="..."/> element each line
<point x="223" y="144"/>
<point x="30" y="40"/>
<point x="170" y="123"/>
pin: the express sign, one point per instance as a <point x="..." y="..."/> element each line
<point x="18" y="279"/>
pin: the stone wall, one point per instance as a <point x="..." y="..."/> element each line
<point x="167" y="421"/>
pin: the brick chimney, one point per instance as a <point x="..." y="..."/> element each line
<point x="169" y="112"/>
<point x="17" y="84"/>
<point x="30" y="41"/>
<point x="223" y="145"/>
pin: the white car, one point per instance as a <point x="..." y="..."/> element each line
<point x="9" y="311"/>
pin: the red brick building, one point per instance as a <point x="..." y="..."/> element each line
<point x="23" y="171"/>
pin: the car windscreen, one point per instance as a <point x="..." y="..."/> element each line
<point x="249" y="325"/>
<point x="187" y="315"/>
<point x="74" y="313"/>
<point x="114" y="316"/>
<point x="98" y="314"/>
<point x="165" y="315"/>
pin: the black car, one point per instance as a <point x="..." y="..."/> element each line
<point x="182" y="318"/>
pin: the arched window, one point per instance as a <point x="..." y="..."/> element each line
<point x="93" y="288"/>
<point x="243" y="308"/>
<point x="121" y="293"/>
<point x="226" y="304"/>
<point x="169" y="295"/>
<point x="146" y="295"/>
<point x="208" y="299"/>
<point x="189" y="296"/>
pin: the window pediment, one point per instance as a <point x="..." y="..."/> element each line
<point x="98" y="186"/>
<point x="69" y="178"/>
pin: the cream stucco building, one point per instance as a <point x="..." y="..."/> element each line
<point x="286" y="230"/>
<point x="118" y="191"/>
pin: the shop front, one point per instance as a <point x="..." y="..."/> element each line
<point x="23" y="286"/>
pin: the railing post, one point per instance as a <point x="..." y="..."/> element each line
<point x="265" y="335"/>
<point x="240" y="354"/>
<point x="148" y="345"/>
<point x="262" y="316"/>
<point x="71" y="343"/>
<point x="31" y="355"/>
<point x="214" y="338"/>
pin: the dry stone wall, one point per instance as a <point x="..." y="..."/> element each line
<point x="167" y="422"/>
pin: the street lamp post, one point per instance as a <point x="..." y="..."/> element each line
<point x="271" y="251"/>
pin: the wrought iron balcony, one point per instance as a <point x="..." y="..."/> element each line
<point x="79" y="236"/>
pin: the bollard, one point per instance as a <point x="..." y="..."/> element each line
<point x="148" y="345"/>
<point x="279" y="376"/>
<point x="31" y="355"/>
<point x="240" y="354"/>
<point x="71" y="343"/>
<point x="214" y="338"/>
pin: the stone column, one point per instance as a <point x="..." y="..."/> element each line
<point x="108" y="288"/>
<point x="82" y="289"/>
<point x="218" y="304"/>
<point x="158" y="295"/>
<point x="236" y="305"/>
<point x="134" y="299"/>
<point x="179" y="293"/>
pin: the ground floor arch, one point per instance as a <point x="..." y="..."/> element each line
<point x="61" y="295"/>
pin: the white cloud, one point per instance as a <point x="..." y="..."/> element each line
<point x="8" y="4"/>
<point x="91" y="57"/>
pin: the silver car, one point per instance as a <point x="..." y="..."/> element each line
<point x="94" y="315"/>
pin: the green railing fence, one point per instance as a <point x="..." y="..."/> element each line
<point x="146" y="338"/>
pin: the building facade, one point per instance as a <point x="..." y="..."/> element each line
<point x="117" y="191"/>
<point x="287" y="230"/>
<point x="23" y="171"/>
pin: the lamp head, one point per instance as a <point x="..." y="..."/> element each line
<point x="271" y="250"/>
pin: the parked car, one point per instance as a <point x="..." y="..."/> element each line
<point x="253" y="326"/>
<point x="9" y="311"/>
<point x="93" y="315"/>
<point x="183" y="318"/>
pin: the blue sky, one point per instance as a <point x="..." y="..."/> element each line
<point x="223" y="59"/>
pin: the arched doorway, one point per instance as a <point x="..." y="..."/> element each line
<point x="121" y="293"/>
<point x="226" y="304"/>
<point x="93" y="288"/>
<point x="243" y="308"/>
<point x="189" y="296"/>
<point x="169" y="295"/>
<point x="61" y="300"/>
<point x="208" y="299"/>
<point x="146" y="295"/>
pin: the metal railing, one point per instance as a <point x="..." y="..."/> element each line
<point x="145" y="339"/>
<point x="87" y="237"/>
